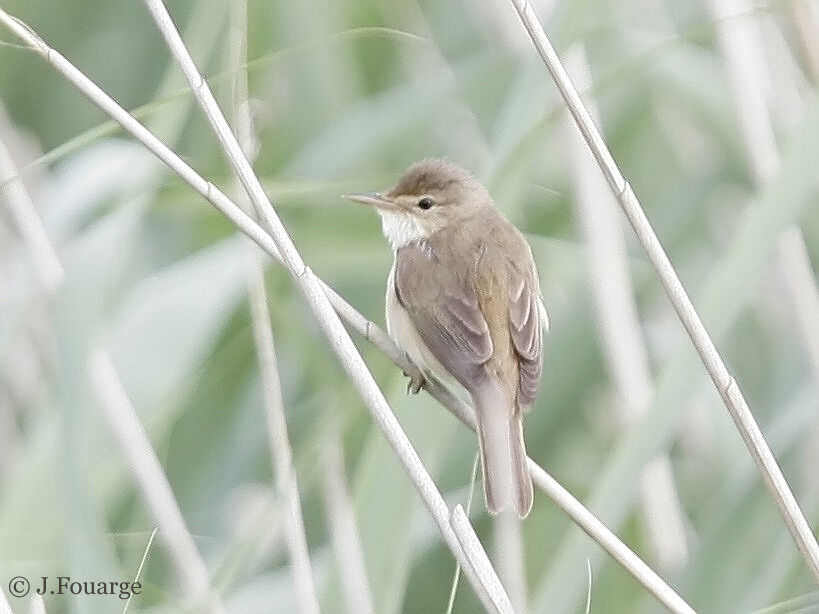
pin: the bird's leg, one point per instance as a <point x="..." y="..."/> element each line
<point x="415" y="384"/>
<point x="416" y="381"/>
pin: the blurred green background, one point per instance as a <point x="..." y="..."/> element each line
<point x="344" y="96"/>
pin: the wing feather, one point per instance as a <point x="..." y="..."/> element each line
<point x="526" y="329"/>
<point x="445" y="312"/>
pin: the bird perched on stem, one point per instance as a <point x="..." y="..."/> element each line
<point x="463" y="301"/>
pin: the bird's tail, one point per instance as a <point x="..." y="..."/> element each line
<point x="506" y="480"/>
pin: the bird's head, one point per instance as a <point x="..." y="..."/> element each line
<point x="430" y="196"/>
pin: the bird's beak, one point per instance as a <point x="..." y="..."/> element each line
<point x="375" y="199"/>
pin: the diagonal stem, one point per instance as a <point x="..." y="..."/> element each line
<point x="723" y="380"/>
<point x="133" y="440"/>
<point x="279" y="443"/>
<point x="151" y="479"/>
<point x="344" y="533"/>
<point x="617" y="320"/>
<point x="282" y="453"/>
<point x="369" y="330"/>
<point x="49" y="268"/>
<point x="328" y="319"/>
<point x="5" y="606"/>
<point x="479" y="560"/>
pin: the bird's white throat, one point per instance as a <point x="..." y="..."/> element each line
<point x="400" y="229"/>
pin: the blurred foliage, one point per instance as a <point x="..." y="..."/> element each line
<point x="345" y="95"/>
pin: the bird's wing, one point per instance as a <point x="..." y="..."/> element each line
<point x="445" y="312"/>
<point x="451" y="318"/>
<point x="527" y="321"/>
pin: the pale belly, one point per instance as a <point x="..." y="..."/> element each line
<point x="403" y="332"/>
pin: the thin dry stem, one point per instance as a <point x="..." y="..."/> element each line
<point x="726" y="384"/>
<point x="242" y="118"/>
<point x="804" y="15"/>
<point x="9" y="434"/>
<point x="344" y="533"/>
<point x="282" y="455"/>
<point x="328" y="319"/>
<point x="5" y="607"/>
<point x="47" y="263"/>
<point x="148" y="473"/>
<point x="23" y="378"/>
<point x="477" y="558"/>
<point x="609" y="541"/>
<point x="36" y="604"/>
<point x="788" y="86"/>
<point x="794" y="264"/>
<point x="369" y="330"/>
<point x="456" y="578"/>
<point x="188" y="565"/>
<point x="280" y="444"/>
<point x="741" y="43"/>
<point x="619" y="329"/>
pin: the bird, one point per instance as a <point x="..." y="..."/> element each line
<point x="463" y="301"/>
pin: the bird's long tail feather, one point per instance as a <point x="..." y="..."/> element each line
<point x="506" y="480"/>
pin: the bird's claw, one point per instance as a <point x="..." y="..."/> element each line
<point x="415" y="383"/>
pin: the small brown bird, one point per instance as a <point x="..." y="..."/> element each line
<point x="463" y="301"/>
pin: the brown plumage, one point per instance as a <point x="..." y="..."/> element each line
<point x="463" y="300"/>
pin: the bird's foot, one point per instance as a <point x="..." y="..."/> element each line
<point x="415" y="383"/>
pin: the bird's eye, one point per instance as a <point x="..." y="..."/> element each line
<point x="425" y="203"/>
